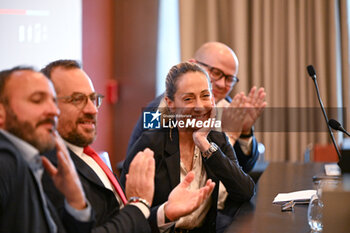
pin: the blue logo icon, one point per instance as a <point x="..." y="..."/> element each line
<point x="151" y="120"/>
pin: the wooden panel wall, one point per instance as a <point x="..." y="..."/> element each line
<point x="119" y="42"/>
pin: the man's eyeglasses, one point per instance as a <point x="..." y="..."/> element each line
<point x="216" y="74"/>
<point x="80" y="100"/>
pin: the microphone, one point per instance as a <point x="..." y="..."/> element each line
<point x="337" y="126"/>
<point x="312" y="73"/>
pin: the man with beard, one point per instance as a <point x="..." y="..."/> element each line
<point x="28" y="114"/>
<point x="79" y="103"/>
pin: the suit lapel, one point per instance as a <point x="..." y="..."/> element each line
<point x="172" y="158"/>
<point x="85" y="170"/>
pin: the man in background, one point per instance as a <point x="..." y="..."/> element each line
<point x="28" y="114"/>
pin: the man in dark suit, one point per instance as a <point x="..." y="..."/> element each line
<point x="28" y="114"/>
<point x="78" y="103"/>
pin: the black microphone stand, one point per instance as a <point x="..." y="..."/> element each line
<point x="312" y="74"/>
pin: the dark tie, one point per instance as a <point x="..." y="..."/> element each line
<point x="90" y="152"/>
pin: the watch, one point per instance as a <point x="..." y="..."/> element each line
<point x="213" y="147"/>
<point x="248" y="135"/>
<point x="140" y="200"/>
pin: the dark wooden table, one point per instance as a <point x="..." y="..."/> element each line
<point x="261" y="216"/>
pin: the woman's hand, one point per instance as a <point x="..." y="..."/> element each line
<point x="200" y="135"/>
<point x="182" y="201"/>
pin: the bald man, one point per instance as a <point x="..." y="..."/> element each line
<point x="222" y="65"/>
<point x="219" y="60"/>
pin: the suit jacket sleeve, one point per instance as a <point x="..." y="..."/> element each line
<point x="247" y="162"/>
<point x="7" y="178"/>
<point x="224" y="164"/>
<point x="129" y="219"/>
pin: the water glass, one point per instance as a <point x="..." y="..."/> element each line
<point x="314" y="213"/>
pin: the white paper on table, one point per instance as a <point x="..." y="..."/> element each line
<point x="302" y="196"/>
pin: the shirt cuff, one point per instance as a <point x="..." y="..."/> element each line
<point x="83" y="215"/>
<point x="143" y="208"/>
<point x="246" y="145"/>
<point x="162" y="226"/>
